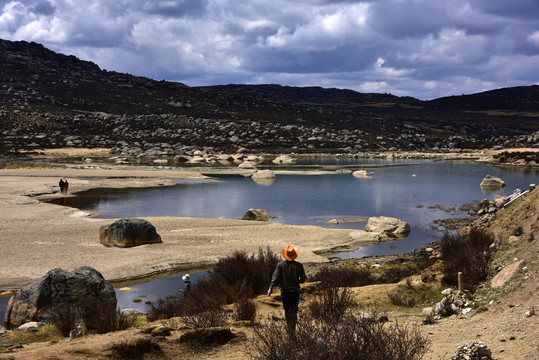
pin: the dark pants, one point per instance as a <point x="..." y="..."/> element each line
<point x="290" y="305"/>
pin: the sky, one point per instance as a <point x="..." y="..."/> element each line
<point x="421" y="48"/>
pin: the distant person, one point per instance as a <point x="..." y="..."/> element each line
<point x="288" y="275"/>
<point x="187" y="281"/>
<point x="66" y="185"/>
<point x="61" y="184"/>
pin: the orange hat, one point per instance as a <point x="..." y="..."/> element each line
<point x="290" y="252"/>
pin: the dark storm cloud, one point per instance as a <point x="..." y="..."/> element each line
<point x="44" y="8"/>
<point x="174" y="8"/>
<point x="422" y="48"/>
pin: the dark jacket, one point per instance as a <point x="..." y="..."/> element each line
<point x="288" y="275"/>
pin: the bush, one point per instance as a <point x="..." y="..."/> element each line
<point x="135" y="348"/>
<point x="469" y="254"/>
<point x="401" y="299"/>
<point x="331" y="304"/>
<point x="206" y="319"/>
<point x="165" y="308"/>
<point x="63" y="320"/>
<point x="343" y="276"/>
<point x="246" y="275"/>
<point x="245" y="309"/>
<point x="234" y="277"/>
<point x="351" y="339"/>
<point x="394" y="274"/>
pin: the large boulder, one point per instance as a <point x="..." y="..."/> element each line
<point x="506" y="274"/>
<point x="81" y="292"/>
<point x="284" y="159"/>
<point x="361" y="174"/>
<point x="388" y="226"/>
<point x="128" y="233"/>
<point x="263" y="175"/>
<point x="256" y="214"/>
<point x="492" y="182"/>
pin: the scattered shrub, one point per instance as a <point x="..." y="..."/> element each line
<point x="234" y="277"/>
<point x="518" y="231"/>
<point x="468" y="253"/>
<point x="63" y="319"/>
<point x="135" y="348"/>
<point x="351" y="339"/>
<point x="245" y="309"/>
<point x="331" y="304"/>
<point x="401" y="299"/>
<point x="343" y="276"/>
<point x="125" y="321"/>
<point x="246" y="275"/>
<point x="206" y="319"/>
<point x="394" y="274"/>
<point x="165" y="308"/>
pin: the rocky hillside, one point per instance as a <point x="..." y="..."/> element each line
<point x="50" y="100"/>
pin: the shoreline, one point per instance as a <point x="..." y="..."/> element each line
<point x="38" y="237"/>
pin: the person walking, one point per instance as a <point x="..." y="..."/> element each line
<point x="289" y="274"/>
<point x="61" y="185"/>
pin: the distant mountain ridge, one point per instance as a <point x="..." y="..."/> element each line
<point x="45" y="94"/>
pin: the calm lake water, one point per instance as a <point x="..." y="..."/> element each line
<point x="412" y="193"/>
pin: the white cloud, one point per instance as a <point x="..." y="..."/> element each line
<point x="534" y="38"/>
<point x="421" y="48"/>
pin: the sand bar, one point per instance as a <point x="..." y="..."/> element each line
<point x="36" y="236"/>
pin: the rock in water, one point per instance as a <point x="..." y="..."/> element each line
<point x="491" y="181"/>
<point x="256" y="214"/>
<point x="388" y="226"/>
<point x="81" y="292"/>
<point x="263" y="174"/>
<point x="128" y="233"/>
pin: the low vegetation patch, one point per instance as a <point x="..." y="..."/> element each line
<point x="134" y="348"/>
<point x="235" y="278"/>
<point x="352" y="338"/>
<point x="469" y="254"/>
<point x="331" y="303"/>
<point x="245" y="309"/>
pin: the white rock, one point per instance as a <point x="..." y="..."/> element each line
<point x="447" y="291"/>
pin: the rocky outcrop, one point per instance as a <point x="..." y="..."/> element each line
<point x="128" y="233"/>
<point x="256" y="214"/>
<point x="388" y="226"/>
<point x="506" y="274"/>
<point x="361" y="174"/>
<point x="263" y="174"/>
<point x="472" y="350"/>
<point x="453" y="302"/>
<point x="284" y="160"/>
<point x="492" y="182"/>
<point x="81" y="291"/>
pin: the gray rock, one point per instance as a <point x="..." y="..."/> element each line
<point x="263" y="174"/>
<point x="29" y="326"/>
<point x="128" y="233"/>
<point x="388" y="226"/>
<point x="256" y="214"/>
<point x="492" y="181"/>
<point x="82" y="292"/>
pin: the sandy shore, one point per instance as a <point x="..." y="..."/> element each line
<point x="36" y="237"/>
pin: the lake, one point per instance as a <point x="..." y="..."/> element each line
<point x="418" y="192"/>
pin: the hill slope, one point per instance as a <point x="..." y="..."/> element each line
<point x="50" y="100"/>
